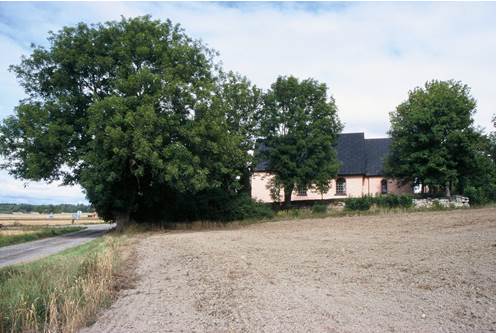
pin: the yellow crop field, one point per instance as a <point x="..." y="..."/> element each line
<point x="45" y="219"/>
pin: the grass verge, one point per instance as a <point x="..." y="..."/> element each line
<point x="63" y="292"/>
<point x="284" y="215"/>
<point x="30" y="235"/>
<point x="306" y="213"/>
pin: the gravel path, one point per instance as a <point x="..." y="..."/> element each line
<point x="419" y="272"/>
<point x="29" y="251"/>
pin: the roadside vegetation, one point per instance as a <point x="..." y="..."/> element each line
<point x="63" y="292"/>
<point x="16" y="235"/>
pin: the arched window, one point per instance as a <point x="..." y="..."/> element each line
<point x="384" y="186"/>
<point x="341" y="186"/>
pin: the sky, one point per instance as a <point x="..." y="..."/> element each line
<point x="369" y="54"/>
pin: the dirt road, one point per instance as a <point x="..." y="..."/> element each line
<point x="420" y="272"/>
<point x="29" y="251"/>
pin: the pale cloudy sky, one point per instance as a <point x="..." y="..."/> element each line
<point x="369" y="54"/>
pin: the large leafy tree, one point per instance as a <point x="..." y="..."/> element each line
<point x="478" y="181"/>
<point x="300" y="127"/>
<point x="434" y="141"/>
<point x="127" y="110"/>
<point x="242" y="103"/>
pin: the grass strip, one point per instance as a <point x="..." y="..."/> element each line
<point x="60" y="293"/>
<point x="35" y="235"/>
<point x="291" y="214"/>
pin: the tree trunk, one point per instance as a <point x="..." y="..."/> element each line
<point x="447" y="190"/>
<point x="122" y="220"/>
<point x="288" y="196"/>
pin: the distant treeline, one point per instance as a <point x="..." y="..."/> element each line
<point x="8" y="208"/>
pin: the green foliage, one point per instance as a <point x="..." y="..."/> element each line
<point x="319" y="208"/>
<point x="207" y="205"/>
<point x="393" y="200"/>
<point x="434" y="141"/>
<point x="222" y="207"/>
<point x="300" y="126"/>
<point x="37" y="234"/>
<point x="244" y="208"/>
<point x="213" y="206"/>
<point x="479" y="181"/>
<point x="427" y="131"/>
<point x="62" y="282"/>
<point x="242" y="104"/>
<point x="382" y="201"/>
<point x="8" y="208"/>
<point x="135" y="111"/>
<point x="363" y="203"/>
<point x="480" y="195"/>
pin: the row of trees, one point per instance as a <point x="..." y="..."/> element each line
<point x="146" y="120"/>
<point x="9" y="208"/>
<point x="152" y="128"/>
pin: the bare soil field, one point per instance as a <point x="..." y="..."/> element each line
<point x="418" y="272"/>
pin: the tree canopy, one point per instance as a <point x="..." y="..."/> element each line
<point x="478" y="183"/>
<point x="434" y="140"/>
<point x="300" y="127"/>
<point x="128" y="110"/>
<point x="242" y="103"/>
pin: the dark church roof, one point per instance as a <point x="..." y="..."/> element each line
<point x="357" y="155"/>
<point x="376" y="152"/>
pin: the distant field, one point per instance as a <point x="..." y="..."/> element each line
<point x="43" y="219"/>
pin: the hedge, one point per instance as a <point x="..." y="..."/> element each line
<point x="384" y="201"/>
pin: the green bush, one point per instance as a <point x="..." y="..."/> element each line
<point x="363" y="203"/>
<point x="405" y="200"/>
<point x="479" y="196"/>
<point x="393" y="201"/>
<point x="383" y="201"/>
<point x="231" y="208"/>
<point x="319" y="208"/>
<point x="245" y="207"/>
<point x="214" y="205"/>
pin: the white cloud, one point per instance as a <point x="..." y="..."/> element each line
<point x="369" y="54"/>
<point x="16" y="191"/>
<point x="10" y="91"/>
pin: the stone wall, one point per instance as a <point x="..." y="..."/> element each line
<point x="456" y="201"/>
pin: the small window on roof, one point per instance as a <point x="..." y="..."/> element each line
<point x="341" y="186"/>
